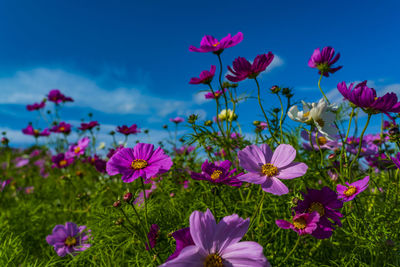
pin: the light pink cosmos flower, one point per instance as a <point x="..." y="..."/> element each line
<point x="218" y="244"/>
<point x="78" y="149"/>
<point x="349" y="192"/>
<point x="266" y="167"/>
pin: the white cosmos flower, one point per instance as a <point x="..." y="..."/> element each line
<point x="227" y="115"/>
<point x="322" y="114"/>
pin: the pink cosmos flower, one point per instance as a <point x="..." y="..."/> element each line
<point x="218" y="244"/>
<point x="205" y="76"/>
<point x="29" y="130"/>
<point x="140" y="198"/>
<point x="57" y="97"/>
<point x="243" y="69"/>
<point x="79" y="148"/>
<point x="133" y="129"/>
<point x="267" y="168"/>
<point x="62" y="127"/>
<point x="36" y="106"/>
<point x="216" y="94"/>
<point x="140" y="161"/>
<point x="303" y="223"/>
<point x="217" y="173"/>
<point x="4" y="183"/>
<point x="323" y="60"/>
<point x="88" y="126"/>
<point x="349" y="192"/>
<point x="68" y="239"/>
<point x="210" y="44"/>
<point x="61" y="161"/>
<point x="153" y="235"/>
<point x="177" y="120"/>
<point x="20" y="162"/>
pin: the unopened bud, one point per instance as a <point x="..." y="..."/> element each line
<point x="117" y="204"/>
<point x="128" y="197"/>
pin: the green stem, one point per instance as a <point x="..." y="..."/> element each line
<point x="280" y="119"/>
<point x="319" y="86"/>
<point x="360" y="143"/>
<point x="291" y="252"/>
<point x="320" y="150"/>
<point x="145" y="205"/>
<point x="252" y="219"/>
<point x="262" y="109"/>
<point x="223" y="91"/>
<point x="217" y="102"/>
<point x="345" y="142"/>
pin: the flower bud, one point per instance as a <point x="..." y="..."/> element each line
<point x="128" y="197"/>
<point x="275" y="89"/>
<point x="394" y="130"/>
<point x="192" y="118"/>
<point x="256" y="123"/>
<point x="117" y="204"/>
<point x="165" y="126"/>
<point x="208" y="123"/>
<point x="119" y="221"/>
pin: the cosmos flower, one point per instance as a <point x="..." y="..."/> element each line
<point x="184" y="150"/>
<point x="177" y="120"/>
<point x="323" y="142"/>
<point x="62" y="127"/>
<point x="140" y="198"/>
<point x="267" y="168"/>
<point x="218" y="244"/>
<point x="396" y="160"/>
<point x="61" y="161"/>
<point x="133" y="129"/>
<point x="140" y="161"/>
<point x="57" y="97"/>
<point x="327" y="204"/>
<point x="303" y="223"/>
<point x="366" y="148"/>
<point x="36" y="106"/>
<point x="183" y="239"/>
<point x="20" y="162"/>
<point x="323" y="60"/>
<point x="79" y="148"/>
<point x="364" y="97"/>
<point x="152" y="235"/>
<point x="210" y="44"/>
<point x="88" y="126"/>
<point x="29" y="130"/>
<point x="243" y="69"/>
<point x="227" y="115"/>
<point x="216" y="94"/>
<point x="68" y="239"/>
<point x="217" y="173"/>
<point x="350" y="191"/>
<point x="4" y="183"/>
<point x="205" y="76"/>
<point x="320" y="114"/>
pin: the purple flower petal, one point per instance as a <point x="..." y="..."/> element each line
<point x="275" y="186"/>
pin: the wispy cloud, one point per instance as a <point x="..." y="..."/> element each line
<point x="30" y="86"/>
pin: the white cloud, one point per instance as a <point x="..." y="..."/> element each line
<point x="199" y="98"/>
<point x="30" y="86"/>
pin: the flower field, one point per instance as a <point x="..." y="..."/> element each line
<point x="310" y="186"/>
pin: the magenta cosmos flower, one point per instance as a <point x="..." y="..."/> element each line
<point x="68" y="239"/>
<point x="267" y="168"/>
<point x="140" y="161"/>
<point x="210" y="44"/>
<point x="349" y="192"/>
<point x="243" y="69"/>
<point x="29" y="130"/>
<point x="62" y="127"/>
<point x="323" y="60"/>
<point x="364" y="97"/>
<point x="177" y="120"/>
<point x="218" y="244"/>
<point x="88" y="126"/>
<point x="215" y="95"/>
<point x="79" y="148"/>
<point x="396" y="160"/>
<point x="303" y="223"/>
<point x="57" y="97"/>
<point x="327" y="204"/>
<point x="183" y="239"/>
<point x="36" y="106"/>
<point x="217" y="173"/>
<point x="152" y="235"/>
<point x="205" y="76"/>
<point x="61" y="161"/>
<point x="133" y="129"/>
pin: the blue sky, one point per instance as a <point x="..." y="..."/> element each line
<point x="128" y="61"/>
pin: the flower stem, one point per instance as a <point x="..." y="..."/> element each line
<point x="360" y="143"/>
<point x="262" y="109"/>
<point x="223" y="91"/>
<point x="345" y="142"/>
<point x="145" y="205"/>
<point x="280" y="119"/>
<point x="291" y="252"/>
<point x="217" y="102"/>
<point x="256" y="211"/>
<point x="319" y="86"/>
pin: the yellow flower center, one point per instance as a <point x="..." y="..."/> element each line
<point x="269" y="170"/>
<point x="216" y="44"/>
<point x="77" y="149"/>
<point x="61" y="129"/>
<point x="139" y="164"/>
<point x="36" y="131"/>
<point x="216" y="174"/>
<point x="62" y="163"/>
<point x="213" y="260"/>
<point x="322" y="140"/>
<point x="351" y="190"/>
<point x="300" y="223"/>
<point x="70" y="241"/>
<point x="305" y="115"/>
<point x="318" y="207"/>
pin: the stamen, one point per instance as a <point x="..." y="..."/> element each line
<point x="318" y="207"/>
<point x="213" y="260"/>
<point x="139" y="164"/>
<point x="63" y="162"/>
<point x="216" y="174"/>
<point x="269" y="170"/>
<point x="351" y="190"/>
<point x="77" y="149"/>
<point x="300" y="223"/>
<point x="70" y="241"/>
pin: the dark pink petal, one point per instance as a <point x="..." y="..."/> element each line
<point x="283" y="224"/>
